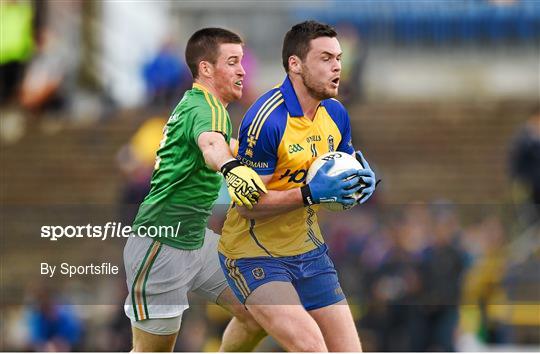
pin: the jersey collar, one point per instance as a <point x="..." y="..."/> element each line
<point x="200" y="87"/>
<point x="206" y="92"/>
<point x="291" y="100"/>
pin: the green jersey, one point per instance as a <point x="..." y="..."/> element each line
<point x="183" y="189"/>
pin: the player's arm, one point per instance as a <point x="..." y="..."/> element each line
<point x="243" y="184"/>
<point x="322" y="188"/>
<point x="274" y="202"/>
<point x="214" y="149"/>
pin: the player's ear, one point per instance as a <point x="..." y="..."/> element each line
<point x="295" y="64"/>
<point x="206" y="69"/>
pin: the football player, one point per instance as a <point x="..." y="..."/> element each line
<point x="161" y="270"/>
<point x="274" y="255"/>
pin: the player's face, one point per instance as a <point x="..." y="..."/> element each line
<point x="321" y="69"/>
<point x="229" y="73"/>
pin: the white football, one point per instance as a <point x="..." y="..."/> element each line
<point x="344" y="162"/>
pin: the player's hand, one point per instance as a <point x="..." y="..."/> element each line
<point x="244" y="184"/>
<point x="338" y="188"/>
<point x="367" y="177"/>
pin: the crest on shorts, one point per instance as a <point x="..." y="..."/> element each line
<point x="258" y="273"/>
<point x="330" y="143"/>
<point x="338" y="291"/>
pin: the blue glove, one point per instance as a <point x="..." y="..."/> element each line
<point x="325" y="189"/>
<point x="367" y="177"/>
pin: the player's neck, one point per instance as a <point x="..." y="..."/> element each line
<point x="209" y="86"/>
<point x="308" y="103"/>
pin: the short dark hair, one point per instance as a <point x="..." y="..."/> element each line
<point x="297" y="40"/>
<point x="204" y="45"/>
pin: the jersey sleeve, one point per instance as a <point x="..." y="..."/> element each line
<point x="258" y="141"/>
<point x="210" y="118"/>
<point x="346" y="140"/>
<point x="340" y="116"/>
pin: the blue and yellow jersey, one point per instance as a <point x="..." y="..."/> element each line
<point x="276" y="139"/>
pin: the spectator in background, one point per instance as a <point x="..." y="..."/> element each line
<point x="52" y="327"/>
<point x="118" y="333"/>
<point x="136" y="161"/>
<point x="115" y="335"/>
<point x="525" y="164"/>
<point x="43" y="84"/>
<point x="394" y="286"/>
<point x="482" y="285"/>
<point x="166" y="76"/>
<point x="16" y="45"/>
<point x="357" y="246"/>
<point x="522" y="282"/>
<point x="441" y="268"/>
<point x="352" y="62"/>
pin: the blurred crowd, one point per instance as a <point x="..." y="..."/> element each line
<point x="414" y="270"/>
<point x="419" y="277"/>
<point x="36" y="66"/>
<point x="47" y="76"/>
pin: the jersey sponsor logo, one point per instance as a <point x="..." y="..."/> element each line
<point x="258" y="273"/>
<point x="332" y="156"/>
<point x="313" y="138"/>
<point x="297" y="176"/>
<point x="295" y="148"/>
<point x="239" y="184"/>
<point x="253" y="164"/>
<point x="313" y="150"/>
<point x="330" y="143"/>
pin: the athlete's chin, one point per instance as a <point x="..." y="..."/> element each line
<point x="329" y="93"/>
<point x="332" y="93"/>
<point x="237" y="95"/>
<point x="236" y="92"/>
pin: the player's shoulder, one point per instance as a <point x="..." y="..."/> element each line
<point x="190" y="109"/>
<point x="335" y="108"/>
<point x="266" y="104"/>
<point x="198" y="99"/>
<point x="189" y="101"/>
<point x="268" y="112"/>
